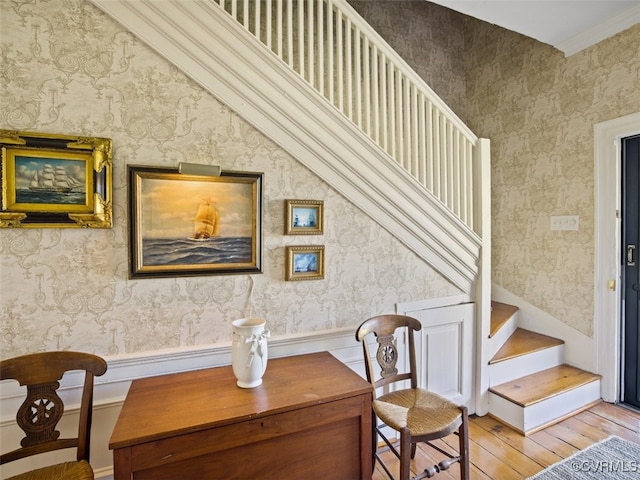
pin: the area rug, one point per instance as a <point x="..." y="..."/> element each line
<point x="611" y="458"/>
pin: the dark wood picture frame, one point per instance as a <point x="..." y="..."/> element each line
<point x="187" y="225"/>
<point x="55" y="181"/>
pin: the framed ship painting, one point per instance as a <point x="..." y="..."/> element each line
<point x="187" y="225"/>
<point x="304" y="262"/>
<point x="55" y="181"/>
<point x="304" y="217"/>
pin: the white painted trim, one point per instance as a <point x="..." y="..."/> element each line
<point x="437" y="313"/>
<point x="461" y="319"/>
<point x="508" y="412"/>
<point x="546" y="411"/>
<point x="499" y="339"/>
<point x="122" y="370"/>
<point x="579" y="349"/>
<point x="607" y="334"/>
<point x="405" y="308"/>
<point x="558" y="406"/>
<point x="483" y="284"/>
<point x="111" y="389"/>
<point x="600" y="32"/>
<point x="507" y="370"/>
<point x="361" y="25"/>
<point x="214" y="50"/>
<point x="103" y="473"/>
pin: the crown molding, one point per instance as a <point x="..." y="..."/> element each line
<point x="600" y="32"/>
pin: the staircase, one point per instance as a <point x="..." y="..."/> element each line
<point x="355" y="115"/>
<point x="530" y="387"/>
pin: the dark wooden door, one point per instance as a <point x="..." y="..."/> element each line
<point x="631" y="270"/>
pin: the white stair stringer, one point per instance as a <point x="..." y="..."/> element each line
<point x="533" y="417"/>
<point x="199" y="38"/>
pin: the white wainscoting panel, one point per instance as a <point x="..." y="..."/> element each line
<point x="111" y="389"/>
<point x="445" y="352"/>
<point x="446" y="349"/>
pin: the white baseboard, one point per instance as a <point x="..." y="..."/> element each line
<point x="111" y="389"/>
<point x="103" y="473"/>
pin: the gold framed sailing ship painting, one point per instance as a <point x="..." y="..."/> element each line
<point x="304" y="262"/>
<point x="304" y="217"/>
<point x="187" y="225"/>
<point x="55" y="181"/>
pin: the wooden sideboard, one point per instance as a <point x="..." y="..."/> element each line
<point x="310" y="418"/>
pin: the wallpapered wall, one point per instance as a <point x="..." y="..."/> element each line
<point x="68" y="68"/>
<point x="429" y="38"/>
<point x="538" y="108"/>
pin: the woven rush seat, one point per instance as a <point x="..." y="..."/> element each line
<point x="63" y="471"/>
<point x="413" y="414"/>
<point x="421" y="411"/>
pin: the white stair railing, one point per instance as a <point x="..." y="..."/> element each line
<point x="345" y="60"/>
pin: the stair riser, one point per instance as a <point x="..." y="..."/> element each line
<point x="523" y="365"/>
<point x="533" y="417"/>
<point x="499" y="339"/>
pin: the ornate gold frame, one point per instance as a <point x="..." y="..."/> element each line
<point x="307" y="208"/>
<point x="299" y="258"/>
<point x="79" y="197"/>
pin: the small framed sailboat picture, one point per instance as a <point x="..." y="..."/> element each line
<point x="304" y="217"/>
<point x="186" y="225"/>
<point x="55" y="181"/>
<point x="304" y="262"/>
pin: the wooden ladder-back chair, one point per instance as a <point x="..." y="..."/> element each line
<point x="39" y="414"/>
<point x="416" y="414"/>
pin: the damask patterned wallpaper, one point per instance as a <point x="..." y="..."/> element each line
<point x="539" y="109"/>
<point x="68" y="68"/>
<point x="429" y="38"/>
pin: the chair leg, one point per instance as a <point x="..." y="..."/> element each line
<point x="405" y="454"/>
<point x="463" y="437"/>
<point x="374" y="440"/>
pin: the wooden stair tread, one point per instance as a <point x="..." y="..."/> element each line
<point x="539" y="386"/>
<point x="500" y="314"/>
<point x="522" y="342"/>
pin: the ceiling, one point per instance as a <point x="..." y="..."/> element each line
<point x="568" y="25"/>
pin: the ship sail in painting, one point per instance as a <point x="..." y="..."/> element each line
<point x="206" y="223"/>
<point x="51" y="179"/>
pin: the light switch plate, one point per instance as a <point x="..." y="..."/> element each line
<point x="565" y="222"/>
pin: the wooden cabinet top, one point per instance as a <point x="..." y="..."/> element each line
<point x="169" y="405"/>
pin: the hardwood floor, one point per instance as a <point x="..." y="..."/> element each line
<point x="499" y="452"/>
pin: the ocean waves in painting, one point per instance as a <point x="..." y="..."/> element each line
<point x="44" y="197"/>
<point x="181" y="251"/>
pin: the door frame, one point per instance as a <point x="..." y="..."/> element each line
<point x="607" y="301"/>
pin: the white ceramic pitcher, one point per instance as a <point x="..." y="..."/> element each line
<point x="249" y="351"/>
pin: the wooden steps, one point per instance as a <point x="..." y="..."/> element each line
<point x="523" y="342"/>
<point x="500" y="314"/>
<point x="537" y="387"/>
<point x="530" y="386"/>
